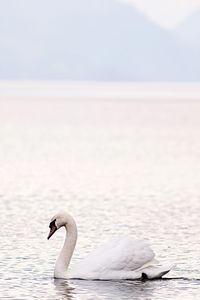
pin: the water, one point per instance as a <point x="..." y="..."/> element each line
<point x="119" y="167"/>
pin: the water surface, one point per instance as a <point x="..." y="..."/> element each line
<point x="119" y="167"/>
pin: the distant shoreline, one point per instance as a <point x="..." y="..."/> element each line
<point x="90" y="90"/>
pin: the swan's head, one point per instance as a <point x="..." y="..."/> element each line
<point x="59" y="220"/>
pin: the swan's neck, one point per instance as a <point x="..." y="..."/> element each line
<point x="64" y="258"/>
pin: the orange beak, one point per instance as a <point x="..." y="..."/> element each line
<point x="52" y="231"/>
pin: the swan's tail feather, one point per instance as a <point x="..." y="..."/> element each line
<point x="145" y="276"/>
<point x="155" y="272"/>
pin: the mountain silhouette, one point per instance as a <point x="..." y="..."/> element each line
<point x="189" y="30"/>
<point x="88" y="40"/>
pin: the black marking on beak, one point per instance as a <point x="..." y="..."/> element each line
<point x="53" y="228"/>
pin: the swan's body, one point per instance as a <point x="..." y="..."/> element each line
<point x="119" y="258"/>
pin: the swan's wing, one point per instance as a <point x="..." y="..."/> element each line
<point x="117" y="254"/>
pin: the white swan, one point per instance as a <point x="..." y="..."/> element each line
<point x="118" y="258"/>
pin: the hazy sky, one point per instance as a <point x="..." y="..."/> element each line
<point x="167" y="13"/>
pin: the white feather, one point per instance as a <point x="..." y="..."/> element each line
<point x="119" y="255"/>
<point x="118" y="258"/>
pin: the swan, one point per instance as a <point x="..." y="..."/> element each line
<point x="119" y="258"/>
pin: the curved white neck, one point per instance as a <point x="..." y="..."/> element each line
<point x="64" y="258"/>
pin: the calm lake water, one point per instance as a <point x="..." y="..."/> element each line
<point x="119" y="167"/>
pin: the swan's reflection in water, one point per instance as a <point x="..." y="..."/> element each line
<point x="64" y="289"/>
<point x="88" y="289"/>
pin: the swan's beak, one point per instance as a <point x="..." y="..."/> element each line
<point x="52" y="231"/>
